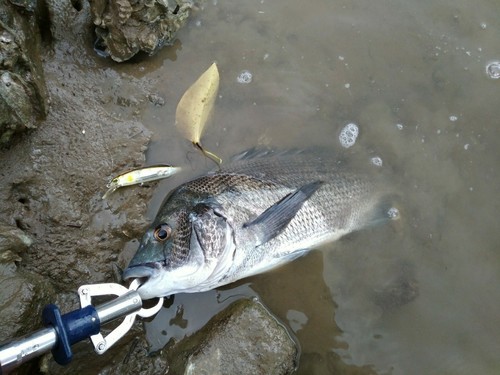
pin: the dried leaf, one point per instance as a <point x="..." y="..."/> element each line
<point x="196" y="105"/>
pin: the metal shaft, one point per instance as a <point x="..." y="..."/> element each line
<point x="125" y="304"/>
<point x="18" y="352"/>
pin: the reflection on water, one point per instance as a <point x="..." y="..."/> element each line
<point x="185" y="314"/>
<point x="422" y="294"/>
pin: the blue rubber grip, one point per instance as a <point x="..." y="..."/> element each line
<point x="71" y="328"/>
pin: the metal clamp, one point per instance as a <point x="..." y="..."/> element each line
<point x="62" y="331"/>
<point x="129" y="300"/>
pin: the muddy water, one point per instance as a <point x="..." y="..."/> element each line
<point x="418" y="296"/>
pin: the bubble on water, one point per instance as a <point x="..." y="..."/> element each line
<point x="483" y="25"/>
<point x="244" y="77"/>
<point x="348" y="135"/>
<point x="393" y="213"/>
<point x="399" y="126"/>
<point x="453" y="118"/>
<point x="377" y="161"/>
<point x="493" y="69"/>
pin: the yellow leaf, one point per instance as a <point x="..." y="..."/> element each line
<point x="195" y="106"/>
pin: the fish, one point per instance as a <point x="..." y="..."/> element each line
<point x="140" y="176"/>
<point x="258" y="212"/>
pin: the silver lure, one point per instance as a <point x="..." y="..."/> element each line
<point x="140" y="176"/>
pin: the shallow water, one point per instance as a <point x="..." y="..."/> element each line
<point x="421" y="295"/>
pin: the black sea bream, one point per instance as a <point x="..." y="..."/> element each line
<point x="259" y="212"/>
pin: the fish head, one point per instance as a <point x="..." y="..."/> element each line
<point x="186" y="250"/>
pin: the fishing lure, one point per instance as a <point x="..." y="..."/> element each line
<point x="140" y="176"/>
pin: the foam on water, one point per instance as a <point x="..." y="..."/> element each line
<point x="393" y="213"/>
<point x="377" y="161"/>
<point x="244" y="77"/>
<point x="493" y="69"/>
<point x="348" y="135"/>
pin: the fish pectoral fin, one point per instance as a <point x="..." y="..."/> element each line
<point x="273" y="220"/>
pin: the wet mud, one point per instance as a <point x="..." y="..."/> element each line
<point x="56" y="231"/>
<point x="418" y="80"/>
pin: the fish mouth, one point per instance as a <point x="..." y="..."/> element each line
<point x="142" y="272"/>
<point x="150" y="277"/>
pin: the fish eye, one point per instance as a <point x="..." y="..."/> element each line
<point x="162" y="232"/>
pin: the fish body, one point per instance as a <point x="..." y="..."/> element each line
<point x="250" y="216"/>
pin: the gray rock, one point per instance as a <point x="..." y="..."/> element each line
<point x="22" y="298"/>
<point x="23" y="94"/>
<point x="28" y="5"/>
<point x="243" y="339"/>
<point x="22" y="294"/>
<point x="130" y="356"/>
<point x="13" y="242"/>
<point x="125" y="27"/>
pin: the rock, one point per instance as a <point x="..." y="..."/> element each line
<point x="12" y="242"/>
<point x="243" y="339"/>
<point x="22" y="294"/>
<point x="23" y="94"/>
<point x="125" y="27"/>
<point x="129" y="356"/>
<point x="22" y="298"/>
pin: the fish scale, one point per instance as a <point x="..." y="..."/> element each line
<point x="254" y="214"/>
<point x="335" y="209"/>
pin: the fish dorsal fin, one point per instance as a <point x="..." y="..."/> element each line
<point x="264" y="152"/>
<point x="273" y="220"/>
